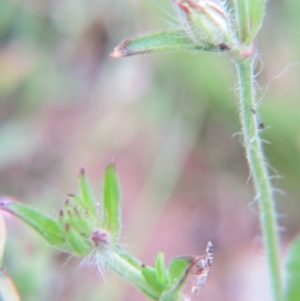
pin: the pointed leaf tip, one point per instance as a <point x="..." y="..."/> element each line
<point x="161" y="270"/>
<point x="113" y="159"/>
<point x="111" y="201"/>
<point x="87" y="195"/>
<point x="46" y="226"/>
<point x="150" y="275"/>
<point x="159" y="42"/>
<point x="116" y="54"/>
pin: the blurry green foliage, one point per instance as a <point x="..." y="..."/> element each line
<point x="64" y="103"/>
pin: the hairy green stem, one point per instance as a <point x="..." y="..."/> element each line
<point x="127" y="269"/>
<point x="259" y="172"/>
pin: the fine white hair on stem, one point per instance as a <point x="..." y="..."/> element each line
<point x="279" y="191"/>
<point x="276" y="177"/>
<point x="261" y="62"/>
<point x="265" y="141"/>
<point x="267" y="87"/>
<point x="96" y="261"/>
<point x="273" y="169"/>
<point x="264" y="160"/>
<point x="240" y="136"/>
<point x="274" y="180"/>
<point x="253" y="206"/>
<point x="271" y="178"/>
<point x="249" y="177"/>
<point x="66" y="262"/>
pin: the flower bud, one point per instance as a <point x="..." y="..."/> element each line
<point x="206" y="22"/>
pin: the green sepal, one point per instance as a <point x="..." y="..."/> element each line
<point x="257" y="10"/>
<point x="47" y="227"/>
<point x="78" y="201"/>
<point x="78" y="244"/>
<point x="111" y="202"/>
<point x="150" y="275"/>
<point x="159" y="42"/>
<point x="292" y="290"/>
<point x="61" y="220"/>
<point x="82" y="224"/>
<point x="162" y="273"/>
<point x="78" y="218"/>
<point x="87" y="195"/>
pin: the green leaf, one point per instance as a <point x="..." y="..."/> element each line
<point x="257" y="12"/>
<point x="292" y="291"/>
<point x="77" y="243"/>
<point x="80" y="221"/>
<point x="161" y="268"/>
<point x="111" y="202"/>
<point x="179" y="268"/>
<point x="151" y="277"/>
<point x="159" y="42"/>
<point x="46" y="226"/>
<point x="8" y="291"/>
<point x="77" y="217"/>
<point x="87" y="195"/>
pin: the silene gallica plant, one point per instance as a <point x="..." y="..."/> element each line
<point x="90" y="229"/>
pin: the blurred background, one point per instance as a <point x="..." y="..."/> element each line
<point x="171" y="124"/>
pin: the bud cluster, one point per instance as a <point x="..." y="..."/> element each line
<point x="81" y="228"/>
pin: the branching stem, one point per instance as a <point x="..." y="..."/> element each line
<point x="127" y="270"/>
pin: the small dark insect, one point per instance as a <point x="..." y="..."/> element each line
<point x="224" y="47"/>
<point x="203" y="264"/>
<point x="260" y="123"/>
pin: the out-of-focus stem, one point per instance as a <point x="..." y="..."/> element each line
<point x="259" y="172"/>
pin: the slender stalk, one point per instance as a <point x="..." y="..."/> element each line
<point x="259" y="172"/>
<point x="128" y="270"/>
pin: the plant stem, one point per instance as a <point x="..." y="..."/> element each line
<point x="129" y="271"/>
<point x="259" y="172"/>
